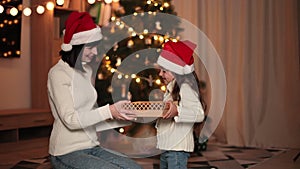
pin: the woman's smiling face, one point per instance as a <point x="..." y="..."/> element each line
<point x="89" y="52"/>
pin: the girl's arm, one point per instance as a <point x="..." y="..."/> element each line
<point x="190" y="108"/>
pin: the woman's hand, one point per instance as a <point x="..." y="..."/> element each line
<point x="119" y="113"/>
<point x="172" y="112"/>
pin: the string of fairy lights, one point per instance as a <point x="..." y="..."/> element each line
<point x="50" y="5"/>
<point x="121" y="75"/>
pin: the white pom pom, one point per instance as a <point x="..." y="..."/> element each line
<point x="66" y="47"/>
<point x="188" y="69"/>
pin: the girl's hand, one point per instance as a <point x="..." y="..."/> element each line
<point x="172" y="112"/>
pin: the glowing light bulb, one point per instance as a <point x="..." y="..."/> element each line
<point x="130" y="43"/>
<point x="40" y="9"/>
<point x="100" y="76"/>
<point x="50" y="6"/>
<point x="133" y="76"/>
<point x="133" y="34"/>
<point x="91" y="1"/>
<point x="130" y="29"/>
<point x="141" y="36"/>
<point x="1" y="9"/>
<point x="161" y="39"/>
<point x="121" y="130"/>
<point x="158" y="81"/>
<point x="146" y="31"/>
<point x="119" y="61"/>
<point x="60" y="2"/>
<point x="166" y="4"/>
<point x="27" y="11"/>
<point x="13" y="11"/>
<point x="20" y="7"/>
<point x="108" y="1"/>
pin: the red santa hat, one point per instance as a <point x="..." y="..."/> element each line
<point x="80" y="29"/>
<point x="177" y="57"/>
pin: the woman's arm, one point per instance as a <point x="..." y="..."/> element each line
<point x="59" y="84"/>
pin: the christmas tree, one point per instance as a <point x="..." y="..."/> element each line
<point x="143" y="33"/>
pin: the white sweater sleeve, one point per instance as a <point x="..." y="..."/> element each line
<point x="190" y="108"/>
<point x="59" y="83"/>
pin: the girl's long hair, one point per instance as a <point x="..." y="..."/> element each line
<point x="192" y="80"/>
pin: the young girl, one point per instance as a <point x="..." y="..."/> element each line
<point x="175" y="128"/>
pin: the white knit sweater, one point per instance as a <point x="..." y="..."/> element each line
<point x="72" y="99"/>
<point x="177" y="133"/>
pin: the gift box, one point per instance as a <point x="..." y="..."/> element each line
<point x="147" y="108"/>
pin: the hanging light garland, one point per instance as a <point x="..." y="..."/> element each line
<point x="40" y="9"/>
<point x="122" y="75"/>
<point x="27" y="11"/>
<point x="121" y="25"/>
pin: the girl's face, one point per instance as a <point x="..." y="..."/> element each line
<point x="89" y="52"/>
<point x="166" y="75"/>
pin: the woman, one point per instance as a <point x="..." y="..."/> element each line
<point x="175" y="128"/>
<point x="72" y="97"/>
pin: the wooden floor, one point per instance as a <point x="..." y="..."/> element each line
<point x="12" y="153"/>
<point x="218" y="156"/>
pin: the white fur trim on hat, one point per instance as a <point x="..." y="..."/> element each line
<point x="181" y="70"/>
<point x="86" y="36"/>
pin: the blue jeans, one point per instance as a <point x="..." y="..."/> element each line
<point x="93" y="158"/>
<point x="174" y="160"/>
